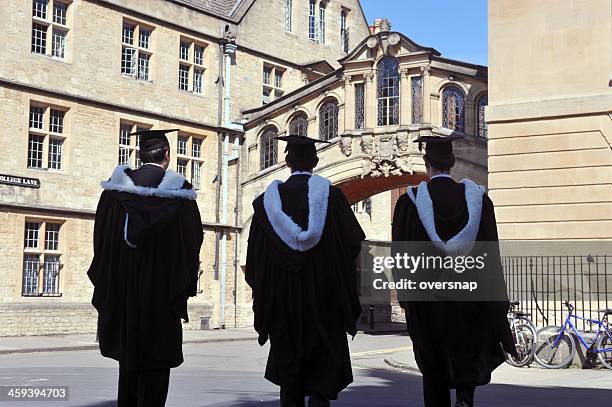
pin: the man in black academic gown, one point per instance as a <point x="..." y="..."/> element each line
<point x="147" y="239"/>
<point x="457" y="344"/>
<point x="303" y="244"/>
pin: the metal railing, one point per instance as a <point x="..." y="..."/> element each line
<point x="542" y="283"/>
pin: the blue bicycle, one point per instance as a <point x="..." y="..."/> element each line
<point x="555" y="346"/>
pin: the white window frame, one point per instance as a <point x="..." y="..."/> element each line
<point x="271" y="89"/>
<point x="132" y="147"/>
<point x="194" y="64"/>
<point x="189" y="160"/>
<point x="51" y="134"/>
<point x="54" y="32"/>
<point x="141" y="51"/>
<point x="46" y="282"/>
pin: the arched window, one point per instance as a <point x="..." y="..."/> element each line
<point x="453" y="109"/>
<point x="480" y="118"/>
<point x="298" y="126"/>
<point x="388" y="91"/>
<point x="328" y="120"/>
<point x="268" y="148"/>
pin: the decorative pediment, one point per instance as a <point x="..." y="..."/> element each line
<point x="385" y="43"/>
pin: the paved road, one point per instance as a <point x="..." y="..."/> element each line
<point x="231" y="375"/>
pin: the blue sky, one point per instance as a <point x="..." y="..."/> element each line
<point x="456" y="28"/>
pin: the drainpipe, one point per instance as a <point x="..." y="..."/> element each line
<point x="229" y="51"/>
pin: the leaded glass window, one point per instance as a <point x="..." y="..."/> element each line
<point x="388" y="91"/>
<point x="417" y="99"/>
<point x="51" y="274"/>
<point x="344" y="43"/>
<point x="288" y="15"/>
<point x="312" y="21"/>
<point x="35" y="151"/>
<point x="31" y="235"/>
<point x="39" y="38"/>
<point x="181" y="167"/>
<point x="31" y="266"/>
<point x="52" y="231"/>
<point x="453" y="109"/>
<point x="328" y="120"/>
<point x="268" y="148"/>
<point x="39" y="9"/>
<point x="482" y="124"/>
<point x="322" y="22"/>
<point x="37" y="114"/>
<point x="56" y="150"/>
<point x="359" y="106"/>
<point x="299" y="125"/>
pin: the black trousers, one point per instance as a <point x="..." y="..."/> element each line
<point x="436" y="392"/>
<point x="143" y="388"/>
<point x="291" y="397"/>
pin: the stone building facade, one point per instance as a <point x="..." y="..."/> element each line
<point x="550" y="118"/>
<point x="77" y="76"/>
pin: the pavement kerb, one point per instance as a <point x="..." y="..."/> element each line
<point x="402" y="366"/>
<point x="96" y="347"/>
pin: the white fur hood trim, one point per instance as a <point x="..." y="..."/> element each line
<point x="286" y="229"/>
<point x="171" y="185"/>
<point x="463" y="242"/>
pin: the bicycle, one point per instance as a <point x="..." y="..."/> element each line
<point x="556" y="347"/>
<point x="524" y="334"/>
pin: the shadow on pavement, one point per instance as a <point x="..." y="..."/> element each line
<point x="394" y="389"/>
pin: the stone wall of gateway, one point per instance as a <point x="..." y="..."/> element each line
<point x="550" y="122"/>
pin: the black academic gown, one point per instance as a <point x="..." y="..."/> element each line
<point x="141" y="292"/>
<point x="306" y="302"/>
<point x="458" y="342"/>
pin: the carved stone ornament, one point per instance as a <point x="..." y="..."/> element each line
<point x="394" y="39"/>
<point x="385" y="25"/>
<point x="346" y="146"/>
<point x="426" y="70"/>
<point x="369" y="76"/>
<point x="372" y="42"/>
<point x="386" y="155"/>
<point x="367" y="144"/>
<point x="347" y="79"/>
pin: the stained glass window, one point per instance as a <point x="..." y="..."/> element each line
<point x="482" y="125"/>
<point x="359" y="106"/>
<point x="417" y="99"/>
<point x="268" y="148"/>
<point x="299" y="125"/>
<point x="328" y="120"/>
<point x="453" y="109"/>
<point x="388" y="91"/>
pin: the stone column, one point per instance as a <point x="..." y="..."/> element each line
<point x="405" y="98"/>
<point x="371" y="105"/>
<point x="425" y="71"/>
<point x="349" y="104"/>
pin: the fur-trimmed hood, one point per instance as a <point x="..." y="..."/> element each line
<point x="463" y="242"/>
<point x="144" y="210"/>
<point x="285" y="228"/>
<point x="171" y="185"/>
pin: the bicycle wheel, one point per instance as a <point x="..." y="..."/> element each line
<point x="524" y="341"/>
<point x="552" y="356"/>
<point x="604" y="350"/>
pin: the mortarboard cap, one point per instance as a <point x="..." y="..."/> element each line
<point x="438" y="144"/>
<point x="301" y="146"/>
<point x="153" y="139"/>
